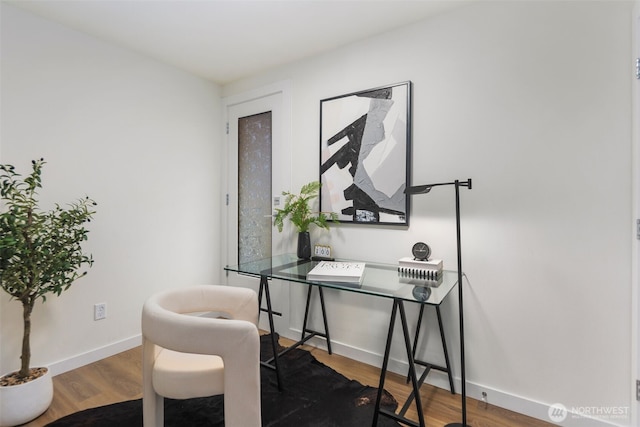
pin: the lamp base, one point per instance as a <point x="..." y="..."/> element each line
<point x="457" y="425"/>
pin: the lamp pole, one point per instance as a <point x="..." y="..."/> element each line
<point x="422" y="189"/>
<point x="460" y="309"/>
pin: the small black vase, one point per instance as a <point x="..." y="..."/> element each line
<point x="304" y="245"/>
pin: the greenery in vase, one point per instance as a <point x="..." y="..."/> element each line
<point x="40" y="252"/>
<point x="297" y="207"/>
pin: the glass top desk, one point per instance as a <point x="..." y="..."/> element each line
<point x="379" y="280"/>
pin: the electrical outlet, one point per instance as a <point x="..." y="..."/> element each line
<point x="100" y="311"/>
<point x="485" y="400"/>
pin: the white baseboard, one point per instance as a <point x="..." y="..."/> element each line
<point x="575" y="417"/>
<point x="83" y="359"/>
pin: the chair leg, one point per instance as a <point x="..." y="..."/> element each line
<point x="152" y="403"/>
<point x="153" y="410"/>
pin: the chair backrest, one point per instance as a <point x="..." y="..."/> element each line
<point x="165" y="321"/>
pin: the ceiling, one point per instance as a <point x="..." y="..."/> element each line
<point x="225" y="40"/>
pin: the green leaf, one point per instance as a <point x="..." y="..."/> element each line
<point x="297" y="208"/>
<point x="40" y="252"/>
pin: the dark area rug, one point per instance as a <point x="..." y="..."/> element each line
<point x="314" y="395"/>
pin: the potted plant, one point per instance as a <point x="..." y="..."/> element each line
<point x="40" y="254"/>
<point x="297" y="207"/>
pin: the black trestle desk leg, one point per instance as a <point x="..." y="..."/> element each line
<point x="418" y="326"/>
<point x="385" y="362"/>
<point x="417" y="336"/>
<point x="397" y="304"/>
<point x="447" y="367"/>
<point x="446" y="353"/>
<point x="306" y="313"/>
<point x="313" y="333"/>
<point x="260" y="294"/>
<point x="324" y="318"/>
<point x="264" y="284"/>
<point x="412" y="366"/>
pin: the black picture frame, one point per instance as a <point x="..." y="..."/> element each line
<point x="365" y="155"/>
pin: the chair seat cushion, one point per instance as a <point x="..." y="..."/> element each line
<point x="186" y="375"/>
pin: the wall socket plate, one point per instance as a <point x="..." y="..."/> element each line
<point x="100" y="311"/>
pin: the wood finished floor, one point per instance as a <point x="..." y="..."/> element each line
<point x="118" y="378"/>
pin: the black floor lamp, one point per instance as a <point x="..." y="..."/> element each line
<point x="422" y="189"/>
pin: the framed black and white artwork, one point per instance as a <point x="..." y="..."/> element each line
<point x="365" y="141"/>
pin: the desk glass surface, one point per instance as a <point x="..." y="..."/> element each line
<point x="380" y="280"/>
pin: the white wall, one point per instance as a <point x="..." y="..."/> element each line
<point x="141" y="139"/>
<point x="533" y="101"/>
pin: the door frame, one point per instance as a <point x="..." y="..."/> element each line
<point x="283" y="88"/>
<point x="280" y="94"/>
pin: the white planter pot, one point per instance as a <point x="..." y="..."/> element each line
<point x="24" y="402"/>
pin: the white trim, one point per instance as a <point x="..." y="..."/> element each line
<point x="495" y="397"/>
<point x="519" y="404"/>
<point x="83" y="359"/>
<point x="282" y="86"/>
<point x="635" y="206"/>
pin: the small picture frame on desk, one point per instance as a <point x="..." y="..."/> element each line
<point x="322" y="253"/>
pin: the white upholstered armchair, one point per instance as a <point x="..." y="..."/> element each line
<point x="187" y="356"/>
